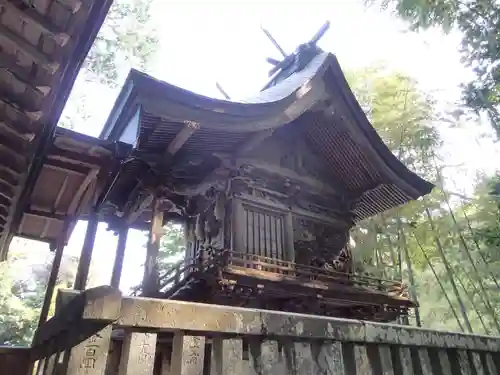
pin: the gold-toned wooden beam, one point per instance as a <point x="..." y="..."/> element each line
<point x="182" y="137"/>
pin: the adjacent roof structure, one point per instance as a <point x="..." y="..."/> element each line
<point x="75" y="170"/>
<point x="190" y="130"/>
<point x="42" y="46"/>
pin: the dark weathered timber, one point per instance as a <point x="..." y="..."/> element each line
<point x="15" y="360"/>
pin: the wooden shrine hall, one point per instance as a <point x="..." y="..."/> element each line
<point x="267" y="189"/>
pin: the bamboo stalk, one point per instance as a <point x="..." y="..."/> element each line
<point x="480" y="252"/>
<point x="440" y="283"/>
<point x="449" y="271"/>
<point x="471" y="301"/>
<point x="465" y="248"/>
<point x="410" y="271"/>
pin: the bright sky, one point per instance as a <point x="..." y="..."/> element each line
<point x="207" y="41"/>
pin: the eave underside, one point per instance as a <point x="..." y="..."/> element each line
<point x="42" y="46"/>
<point x="73" y="174"/>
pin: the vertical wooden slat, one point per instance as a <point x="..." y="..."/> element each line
<point x="405" y="361"/>
<point x="274" y="223"/>
<point x="40" y="366"/>
<point x="361" y="360"/>
<point x="249" y="230"/>
<point x="464" y="363"/>
<point x="255" y="233"/>
<point x="269" y="236"/>
<point x="477" y="363"/>
<point x="54" y="272"/>
<point x="90" y="356"/>
<point x="425" y="361"/>
<point x="279" y="242"/>
<point x="262" y="235"/>
<point x="120" y="255"/>
<point x="51" y="364"/>
<point x="306" y="358"/>
<point x="82" y="272"/>
<point x="238" y="227"/>
<point x="288" y="240"/>
<point x="490" y="364"/>
<point x="265" y="358"/>
<point x="386" y="365"/>
<point x="138" y="354"/>
<point x="329" y="358"/>
<point x="444" y="362"/>
<point x="227" y="358"/>
<point x="151" y="277"/>
<point x="166" y="362"/>
<point x="187" y="354"/>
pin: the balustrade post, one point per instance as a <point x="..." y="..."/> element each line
<point x="150" y="280"/>
<point x="120" y="255"/>
<point x="54" y="272"/>
<point x="82" y="273"/>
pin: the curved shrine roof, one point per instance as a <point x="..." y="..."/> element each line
<point x="318" y="98"/>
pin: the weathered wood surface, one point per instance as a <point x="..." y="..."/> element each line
<point x="16" y="360"/>
<point x="176" y="338"/>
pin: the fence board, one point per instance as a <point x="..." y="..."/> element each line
<point x="227" y="356"/>
<point x="258" y="342"/>
<point x="444" y="361"/>
<point x="138" y="354"/>
<point x="90" y="356"/>
<point x="187" y="355"/>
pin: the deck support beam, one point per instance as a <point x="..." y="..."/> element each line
<point x="82" y="273"/>
<point x="120" y="255"/>
<point x="54" y="272"/>
<point x="150" y="280"/>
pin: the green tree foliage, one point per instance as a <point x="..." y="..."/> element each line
<point x="479" y="23"/>
<point x="173" y="247"/>
<point x="126" y="39"/>
<point x="440" y="235"/>
<point x="23" y="282"/>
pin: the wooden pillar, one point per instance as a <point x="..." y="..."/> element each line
<point x="150" y="280"/>
<point x="54" y="272"/>
<point x="120" y="255"/>
<point x="82" y="274"/>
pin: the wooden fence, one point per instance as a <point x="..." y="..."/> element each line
<point x="99" y="332"/>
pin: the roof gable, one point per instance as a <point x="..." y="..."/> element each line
<point x="317" y="99"/>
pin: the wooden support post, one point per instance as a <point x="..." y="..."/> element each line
<point x="82" y="274"/>
<point x="120" y="255"/>
<point x="54" y="272"/>
<point x="151" y="277"/>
